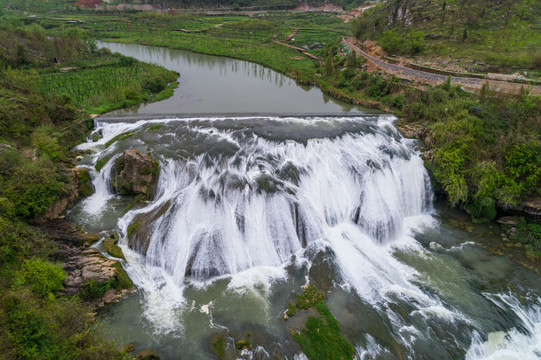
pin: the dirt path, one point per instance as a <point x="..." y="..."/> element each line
<point x="303" y="51"/>
<point x="423" y="76"/>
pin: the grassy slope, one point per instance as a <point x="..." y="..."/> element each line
<point x="478" y="35"/>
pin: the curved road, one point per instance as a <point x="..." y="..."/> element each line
<point x="426" y="76"/>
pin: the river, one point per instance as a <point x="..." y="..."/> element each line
<point x="265" y="184"/>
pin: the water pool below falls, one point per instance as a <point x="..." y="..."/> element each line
<point x="248" y="208"/>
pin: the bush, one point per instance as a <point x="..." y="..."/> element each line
<point x="45" y="143"/>
<point x="392" y="43"/>
<point x="93" y="289"/>
<point x="155" y="84"/>
<point x="43" y="277"/>
<point x="32" y="188"/>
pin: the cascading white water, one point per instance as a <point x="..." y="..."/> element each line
<point x="267" y="200"/>
<point x="515" y="344"/>
<point x="242" y="199"/>
<point x="232" y="200"/>
<point x="103" y="192"/>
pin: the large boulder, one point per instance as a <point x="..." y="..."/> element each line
<point x="135" y="173"/>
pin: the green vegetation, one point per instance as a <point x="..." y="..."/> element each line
<point x="44" y="78"/>
<point x="93" y="289"/>
<point x="218" y="346"/>
<point x="243" y="344"/>
<point x="527" y="234"/>
<point x="44" y="278"/>
<point x="309" y="297"/>
<point x="291" y="310"/>
<point x="486" y="149"/>
<point x="502" y="33"/>
<point x="321" y="338"/>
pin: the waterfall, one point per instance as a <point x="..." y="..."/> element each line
<point x="244" y="196"/>
<point x="103" y="192"/>
<point x="237" y="193"/>
<point x="519" y="343"/>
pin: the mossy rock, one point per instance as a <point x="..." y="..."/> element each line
<point x="218" y="346"/>
<point x="309" y="297"/>
<point x="123" y="281"/>
<point x="148" y="354"/>
<point x="84" y="183"/>
<point x="110" y="245"/>
<point x="101" y="163"/>
<point x="132" y="228"/>
<point x="243" y="344"/>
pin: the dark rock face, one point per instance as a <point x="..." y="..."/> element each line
<point x="136" y="173"/>
<point x="531" y="207"/>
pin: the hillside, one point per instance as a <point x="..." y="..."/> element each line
<point x="45" y="99"/>
<point x="477" y="36"/>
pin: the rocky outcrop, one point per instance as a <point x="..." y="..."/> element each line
<point x="531" y="207"/>
<point x="148" y="354"/>
<point x="135" y="173"/>
<point x="411" y="130"/>
<point x="89" y="273"/>
<point x="139" y="230"/>
<point x="70" y="193"/>
<point x="97" y="279"/>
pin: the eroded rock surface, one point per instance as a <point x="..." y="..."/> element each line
<point x="135" y="173"/>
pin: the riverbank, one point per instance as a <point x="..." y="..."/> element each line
<point x="51" y="280"/>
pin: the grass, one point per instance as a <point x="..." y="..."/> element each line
<point x="321" y="338"/>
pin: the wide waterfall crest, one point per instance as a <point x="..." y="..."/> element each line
<point x="246" y="192"/>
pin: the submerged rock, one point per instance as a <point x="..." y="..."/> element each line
<point x="509" y="220"/>
<point x="136" y="173"/>
<point x="148" y="354"/>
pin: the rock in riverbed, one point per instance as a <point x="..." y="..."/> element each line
<point x="136" y="173"/>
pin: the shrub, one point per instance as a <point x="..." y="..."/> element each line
<point x="43" y="277"/>
<point x="93" y="289"/>
<point x="392" y="43"/>
<point x="32" y="188"/>
<point x="155" y="84"/>
<point x="45" y="143"/>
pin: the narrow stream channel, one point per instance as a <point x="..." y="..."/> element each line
<point x="263" y="184"/>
